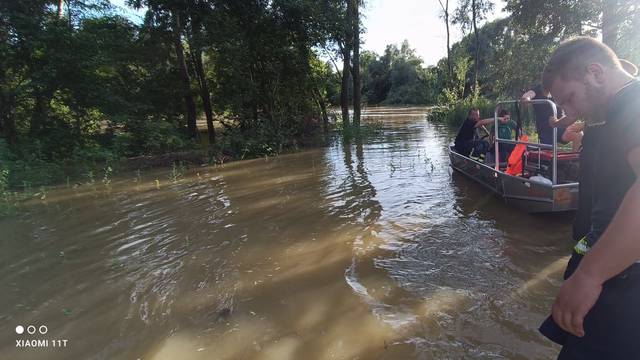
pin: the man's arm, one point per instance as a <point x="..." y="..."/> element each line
<point x="564" y="121"/>
<point x="617" y="249"/>
<point x="484" y="122"/>
<point x="488" y="121"/>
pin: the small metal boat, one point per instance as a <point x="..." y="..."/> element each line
<point x="557" y="193"/>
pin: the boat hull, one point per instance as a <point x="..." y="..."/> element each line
<point x="530" y="196"/>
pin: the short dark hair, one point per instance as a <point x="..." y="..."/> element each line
<point x="504" y="112"/>
<point x="571" y="58"/>
<point x="472" y="110"/>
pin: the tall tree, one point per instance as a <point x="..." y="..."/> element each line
<point x="357" y="82"/>
<point x="196" y="40"/>
<point x="60" y="5"/>
<point x="445" y="16"/>
<point x="468" y="14"/>
<point x="346" y="47"/>
<point x="611" y="21"/>
<point x="474" y="21"/>
<point x="176" y="18"/>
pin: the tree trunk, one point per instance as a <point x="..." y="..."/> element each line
<point x="42" y="99"/>
<point x="344" y="87"/>
<point x="477" y="54"/>
<point x="7" y="106"/>
<point x="184" y="74"/>
<point x="446" y="17"/>
<point x="60" y="2"/>
<point x="7" y="123"/>
<point x="323" y="110"/>
<point x="357" y="88"/>
<point x="445" y="9"/>
<point x="205" y="94"/>
<point x="69" y="14"/>
<point x="346" y="64"/>
<point x="610" y="23"/>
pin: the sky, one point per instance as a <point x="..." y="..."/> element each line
<point x="418" y="21"/>
<point x="393" y="21"/>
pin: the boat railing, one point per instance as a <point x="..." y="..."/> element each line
<point x="553" y="147"/>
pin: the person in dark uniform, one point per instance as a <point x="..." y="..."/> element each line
<point x="543" y="115"/>
<point x="582" y="221"/>
<point x="464" y="139"/>
<point x="596" y="313"/>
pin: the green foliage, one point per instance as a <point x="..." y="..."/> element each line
<point x="397" y="77"/>
<point x="177" y="171"/>
<point x="368" y="129"/>
<point x="455" y="113"/>
<point x="255" y="142"/>
<point x="76" y="94"/>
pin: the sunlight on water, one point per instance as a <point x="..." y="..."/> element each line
<point x="370" y="249"/>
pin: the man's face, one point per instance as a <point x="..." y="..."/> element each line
<point x="585" y="96"/>
<point x="577" y="97"/>
<point x="475" y="114"/>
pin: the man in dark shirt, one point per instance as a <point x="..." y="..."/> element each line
<point x="543" y="115"/>
<point x="597" y="305"/>
<point x="464" y="139"/>
<point x="582" y="221"/>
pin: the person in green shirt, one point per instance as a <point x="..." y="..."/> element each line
<point x="506" y="127"/>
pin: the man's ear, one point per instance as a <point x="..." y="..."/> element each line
<point x="595" y="74"/>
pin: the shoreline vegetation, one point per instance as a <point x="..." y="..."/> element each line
<point x="175" y="163"/>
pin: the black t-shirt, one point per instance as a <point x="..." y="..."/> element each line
<point x="465" y="134"/>
<point x="582" y="221"/>
<point x="542" y="113"/>
<point x="612" y="174"/>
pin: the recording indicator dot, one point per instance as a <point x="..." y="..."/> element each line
<point x="19" y="329"/>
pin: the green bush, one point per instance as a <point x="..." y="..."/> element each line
<point x="255" y="142"/>
<point x="151" y="136"/>
<point x="455" y="113"/>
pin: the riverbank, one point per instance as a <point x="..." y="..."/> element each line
<point x="37" y="176"/>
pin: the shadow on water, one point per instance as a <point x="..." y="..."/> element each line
<point x="366" y="249"/>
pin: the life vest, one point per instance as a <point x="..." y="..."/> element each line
<point x="514" y="164"/>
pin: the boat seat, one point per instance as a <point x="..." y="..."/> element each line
<point x="568" y="164"/>
<point x="547" y="155"/>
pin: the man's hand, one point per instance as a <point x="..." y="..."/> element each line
<point x="576" y="127"/>
<point x="553" y="121"/>
<point x="526" y="97"/>
<point x="576" y="297"/>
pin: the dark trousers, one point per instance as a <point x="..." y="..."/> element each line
<point x="464" y="147"/>
<point x="505" y="151"/>
<point x="612" y="326"/>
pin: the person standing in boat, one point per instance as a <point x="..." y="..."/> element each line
<point x="543" y="114"/>
<point x="595" y="314"/>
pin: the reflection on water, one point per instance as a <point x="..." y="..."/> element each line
<point x="368" y="249"/>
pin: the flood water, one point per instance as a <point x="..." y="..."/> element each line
<point x="366" y="250"/>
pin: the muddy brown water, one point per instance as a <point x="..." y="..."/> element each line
<point x="366" y="250"/>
